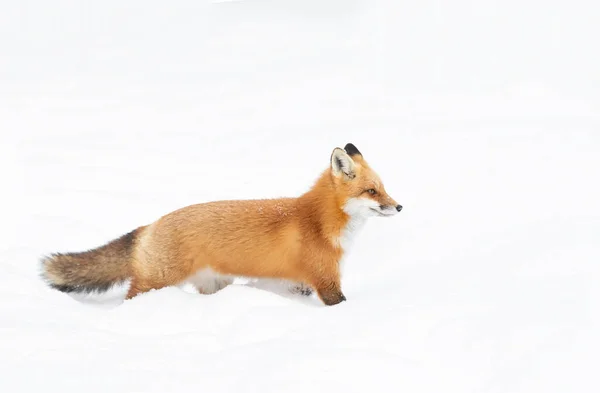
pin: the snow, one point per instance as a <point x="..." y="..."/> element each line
<point x="482" y="119"/>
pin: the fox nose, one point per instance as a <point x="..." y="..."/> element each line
<point x="399" y="207"/>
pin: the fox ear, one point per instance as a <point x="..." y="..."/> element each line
<point x="352" y="150"/>
<point x="342" y="164"/>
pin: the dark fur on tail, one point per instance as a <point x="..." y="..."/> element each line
<point x="95" y="270"/>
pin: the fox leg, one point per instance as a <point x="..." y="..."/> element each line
<point x="208" y="288"/>
<point x="331" y="294"/>
<point x="208" y="281"/>
<point x="135" y="289"/>
<point x="147" y="278"/>
<point x="301" y="288"/>
<point x="138" y="286"/>
<point x="329" y="290"/>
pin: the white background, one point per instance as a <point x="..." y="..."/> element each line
<point x="482" y="118"/>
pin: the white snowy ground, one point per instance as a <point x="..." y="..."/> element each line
<point x="482" y="118"/>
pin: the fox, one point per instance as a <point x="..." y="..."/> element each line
<point x="302" y="240"/>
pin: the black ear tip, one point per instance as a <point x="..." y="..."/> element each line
<point x="351" y="149"/>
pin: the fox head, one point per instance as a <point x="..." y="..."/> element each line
<point x="361" y="190"/>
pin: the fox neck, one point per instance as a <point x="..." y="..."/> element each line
<point x="337" y="224"/>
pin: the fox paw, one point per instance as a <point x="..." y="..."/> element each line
<point x="301" y="289"/>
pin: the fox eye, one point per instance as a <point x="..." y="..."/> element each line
<point x="372" y="191"/>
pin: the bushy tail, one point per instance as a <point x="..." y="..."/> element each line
<point x="95" y="270"/>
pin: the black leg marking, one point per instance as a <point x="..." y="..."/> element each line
<point x="301" y="289"/>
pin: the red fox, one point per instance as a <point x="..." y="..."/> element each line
<point x="301" y="239"/>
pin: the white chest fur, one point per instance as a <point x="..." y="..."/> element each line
<point x="358" y="209"/>
<point x="348" y="234"/>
